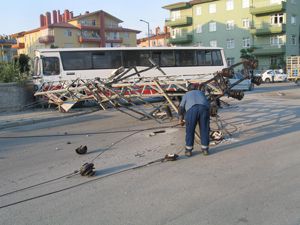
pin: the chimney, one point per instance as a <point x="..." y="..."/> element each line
<point x="71" y="15"/>
<point x="166" y="29"/>
<point x="54" y="16"/>
<point x="59" y="16"/>
<point x="66" y="15"/>
<point x="48" y="18"/>
<point x="157" y="30"/>
<point x="42" y="20"/>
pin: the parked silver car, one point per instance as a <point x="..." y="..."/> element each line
<point x="245" y="85"/>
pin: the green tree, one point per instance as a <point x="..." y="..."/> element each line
<point x="247" y="53"/>
<point x="23" y="61"/>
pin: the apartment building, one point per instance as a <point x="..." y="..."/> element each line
<point x="95" y="29"/>
<point x="6" y="51"/>
<point x="159" y="39"/>
<point x="270" y="26"/>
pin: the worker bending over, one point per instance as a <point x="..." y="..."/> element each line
<point x="194" y="107"/>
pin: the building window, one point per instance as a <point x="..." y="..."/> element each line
<point x="212" y="26"/>
<point x="246" y="23"/>
<point x="230" y="43"/>
<point x="68" y="33"/>
<point x="230" y="25"/>
<point x="199" y="29"/>
<point x="175" y="33"/>
<point x="212" y="8"/>
<point x="198" y="10"/>
<point x="276" y="40"/>
<point x="293" y="20"/>
<point x="213" y="43"/>
<point x="293" y="39"/>
<point x="229" y="5"/>
<point x="230" y="61"/>
<point x="246" y="42"/>
<point x="273" y="60"/>
<point x="175" y="15"/>
<point x="277" y="18"/>
<point x="245" y="4"/>
<point x="126" y="35"/>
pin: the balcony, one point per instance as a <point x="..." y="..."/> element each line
<point x="182" y="21"/>
<point x="113" y="28"/>
<point x="82" y="39"/>
<point x="8" y="41"/>
<point x="46" y="39"/>
<point x="268" y="29"/>
<point x="88" y="27"/>
<point x="268" y="50"/>
<point x="181" y="39"/>
<point x="18" y="46"/>
<point x="265" y="8"/>
<point x="114" y="40"/>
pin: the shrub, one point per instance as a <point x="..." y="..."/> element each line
<point x="10" y="72"/>
<point x="16" y="71"/>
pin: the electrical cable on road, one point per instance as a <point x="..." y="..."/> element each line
<point x="85" y="133"/>
<point x="161" y="160"/>
<point x="76" y="171"/>
<point x="135" y="131"/>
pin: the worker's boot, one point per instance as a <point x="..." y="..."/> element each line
<point x="205" y="151"/>
<point x="188" y="152"/>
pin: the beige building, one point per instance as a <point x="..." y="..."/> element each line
<point x="96" y="29"/>
<point x="159" y="39"/>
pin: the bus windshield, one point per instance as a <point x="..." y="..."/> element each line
<point x="51" y="66"/>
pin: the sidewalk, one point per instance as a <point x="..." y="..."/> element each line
<point x="13" y="119"/>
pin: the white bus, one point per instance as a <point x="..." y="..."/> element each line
<point x="60" y="64"/>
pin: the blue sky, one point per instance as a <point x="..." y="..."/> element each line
<point x="17" y="16"/>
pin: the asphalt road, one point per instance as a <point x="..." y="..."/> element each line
<point x="252" y="177"/>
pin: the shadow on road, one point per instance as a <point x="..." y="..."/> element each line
<point x="262" y="121"/>
<point x="113" y="169"/>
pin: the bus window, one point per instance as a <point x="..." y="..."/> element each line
<point x="130" y="58"/>
<point x="167" y="58"/>
<point x="76" y="60"/>
<point x="144" y="58"/>
<point x="185" y="58"/>
<point x="204" y="58"/>
<point x="106" y="60"/>
<point x="200" y="58"/>
<point x="216" y="58"/>
<point x="155" y="56"/>
<point x="50" y="66"/>
<point x="164" y="58"/>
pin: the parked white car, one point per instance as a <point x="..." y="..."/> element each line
<point x="273" y="76"/>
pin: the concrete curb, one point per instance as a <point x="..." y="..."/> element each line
<point x="30" y="121"/>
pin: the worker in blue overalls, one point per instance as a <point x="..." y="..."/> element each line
<point x="194" y="107"/>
